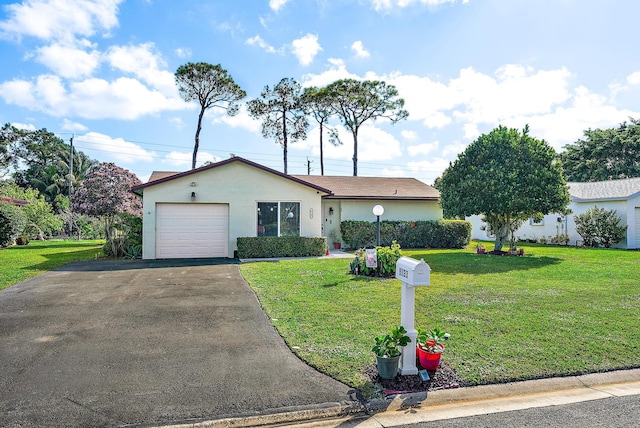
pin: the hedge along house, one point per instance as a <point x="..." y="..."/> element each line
<point x="353" y="198"/>
<point x="202" y="212"/>
<point x="622" y="196"/>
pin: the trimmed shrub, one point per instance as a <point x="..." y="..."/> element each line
<point x="409" y="234"/>
<point x="281" y="246"/>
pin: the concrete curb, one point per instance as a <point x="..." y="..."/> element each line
<point x="448" y="403"/>
<point x="283" y="417"/>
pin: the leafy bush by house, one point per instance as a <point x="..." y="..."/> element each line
<point x="409" y="234"/>
<point x="387" y="260"/>
<point x="599" y="227"/>
<point x="12" y="221"/>
<point x="281" y="246"/>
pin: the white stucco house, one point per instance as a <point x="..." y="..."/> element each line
<point x="623" y="196"/>
<point x="201" y="212"/>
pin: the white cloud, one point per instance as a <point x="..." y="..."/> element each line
<point x="454" y="149"/>
<point x="61" y="20"/>
<point x="634" y="78"/>
<point x="374" y="144"/>
<point x="177" y="122"/>
<point x="183" y="159"/>
<point x="336" y="71"/>
<point x="183" y="53"/>
<point x="25" y="126"/>
<point x="383" y="5"/>
<point x="144" y="64"/>
<point x="107" y="149"/>
<point x="359" y="50"/>
<point x="566" y="124"/>
<point x="240" y="120"/>
<point x="68" y="125"/>
<point x="276" y="5"/>
<point x="68" y="61"/>
<point x="422" y="149"/>
<point x="259" y="41"/>
<point x="123" y="98"/>
<point x="306" y="48"/>
<point x="409" y="135"/>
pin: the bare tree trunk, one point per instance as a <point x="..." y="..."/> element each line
<point x="355" y="153"/>
<point x="197" y="139"/>
<point x="284" y="139"/>
<point x="321" y="153"/>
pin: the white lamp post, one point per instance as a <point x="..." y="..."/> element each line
<point x="378" y="210"/>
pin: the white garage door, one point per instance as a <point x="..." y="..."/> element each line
<point x="192" y="230"/>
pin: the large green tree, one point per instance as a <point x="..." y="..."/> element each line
<point x="604" y="154"/>
<point x="317" y="103"/>
<point x="211" y="86"/>
<point x="282" y="113"/>
<point x="355" y="102"/>
<point x="40" y="160"/>
<point x="506" y="176"/>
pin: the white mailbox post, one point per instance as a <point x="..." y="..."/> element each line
<point x="412" y="273"/>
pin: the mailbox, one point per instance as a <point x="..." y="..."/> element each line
<point x="413" y="272"/>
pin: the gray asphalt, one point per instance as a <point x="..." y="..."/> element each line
<point x="140" y="343"/>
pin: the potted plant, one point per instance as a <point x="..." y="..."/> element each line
<point x="430" y="347"/>
<point x="387" y="350"/>
<point x="335" y="237"/>
<point x="480" y="249"/>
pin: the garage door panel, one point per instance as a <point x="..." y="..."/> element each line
<point x="192" y="230"/>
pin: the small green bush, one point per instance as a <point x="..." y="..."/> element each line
<point x="387" y="260"/>
<point x="12" y="221"/>
<point x="600" y="227"/>
<point x="281" y="246"/>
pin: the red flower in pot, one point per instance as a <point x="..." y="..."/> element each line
<point x="430" y="348"/>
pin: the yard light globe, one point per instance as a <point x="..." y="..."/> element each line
<point x="378" y="210"/>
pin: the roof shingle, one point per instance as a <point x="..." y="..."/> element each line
<point x="372" y="187"/>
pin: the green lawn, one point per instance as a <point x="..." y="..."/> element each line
<point x="556" y="311"/>
<point x="18" y="263"/>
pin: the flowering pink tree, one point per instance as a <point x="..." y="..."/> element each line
<point x="106" y="193"/>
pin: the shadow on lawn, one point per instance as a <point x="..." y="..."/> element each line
<point x="479" y="264"/>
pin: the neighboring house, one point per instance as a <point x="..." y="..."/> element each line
<point x="622" y="196"/>
<point x="201" y="212"/>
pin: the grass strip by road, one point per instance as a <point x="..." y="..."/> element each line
<point x="556" y="311"/>
<point x="19" y="263"/>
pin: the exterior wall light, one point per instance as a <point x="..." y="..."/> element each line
<point x="330" y="210"/>
<point x="193" y="196"/>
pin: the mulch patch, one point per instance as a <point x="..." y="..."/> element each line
<point x="443" y="378"/>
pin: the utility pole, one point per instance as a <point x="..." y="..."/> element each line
<point x="309" y="166"/>
<point x="70" y="184"/>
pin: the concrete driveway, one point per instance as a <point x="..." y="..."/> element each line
<point x="114" y="343"/>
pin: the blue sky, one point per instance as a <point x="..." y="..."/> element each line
<point x="102" y="71"/>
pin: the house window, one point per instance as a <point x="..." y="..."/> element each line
<point x="533" y="222"/>
<point x="278" y="219"/>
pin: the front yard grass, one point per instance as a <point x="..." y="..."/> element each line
<point x="19" y="263"/>
<point x="557" y="311"/>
